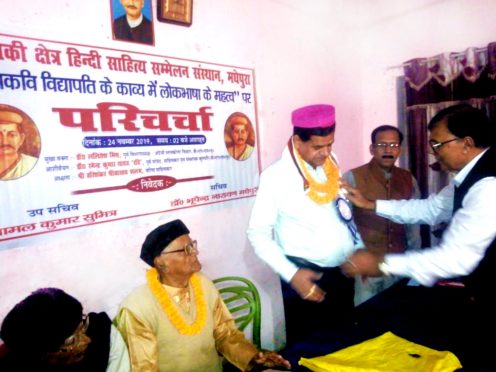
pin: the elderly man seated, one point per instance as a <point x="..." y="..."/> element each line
<point x="177" y="321"/>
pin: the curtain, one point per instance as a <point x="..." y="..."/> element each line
<point x="432" y="84"/>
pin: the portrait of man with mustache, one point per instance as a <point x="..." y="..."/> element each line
<point x="133" y="25"/>
<point x="13" y="162"/>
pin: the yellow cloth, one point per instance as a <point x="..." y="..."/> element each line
<point x="386" y="353"/>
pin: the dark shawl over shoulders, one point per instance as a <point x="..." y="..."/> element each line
<point x="141" y="34"/>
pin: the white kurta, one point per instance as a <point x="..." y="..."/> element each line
<point x="245" y="155"/>
<point x="118" y="355"/>
<point x="25" y="164"/>
<point x="285" y="221"/>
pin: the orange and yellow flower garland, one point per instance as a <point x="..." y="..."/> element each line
<point x="170" y="308"/>
<point x="321" y="193"/>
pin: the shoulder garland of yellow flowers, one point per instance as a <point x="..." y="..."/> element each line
<point x="329" y="189"/>
<point x="170" y="308"/>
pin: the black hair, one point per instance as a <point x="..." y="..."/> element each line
<point x="306" y="133"/>
<point x="463" y="120"/>
<point x="384" y="128"/>
<point x="41" y="322"/>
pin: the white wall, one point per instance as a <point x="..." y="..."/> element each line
<point x="336" y="51"/>
<point x="403" y="30"/>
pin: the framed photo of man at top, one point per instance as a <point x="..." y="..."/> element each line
<point x="175" y="11"/>
<point x="132" y="20"/>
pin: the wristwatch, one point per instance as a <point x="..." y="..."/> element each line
<point x="384" y="268"/>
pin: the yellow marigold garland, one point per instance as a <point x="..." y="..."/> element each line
<point x="329" y="189"/>
<point x="170" y="308"/>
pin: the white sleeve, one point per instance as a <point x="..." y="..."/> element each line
<point x="118" y="356"/>
<point x="464" y="243"/>
<point x="261" y="230"/>
<point x="433" y="210"/>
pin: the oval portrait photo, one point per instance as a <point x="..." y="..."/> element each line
<point x="239" y="136"/>
<point x="20" y="143"/>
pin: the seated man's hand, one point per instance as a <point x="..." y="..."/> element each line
<point x="268" y="360"/>
<point x="303" y="282"/>
<point x="362" y="262"/>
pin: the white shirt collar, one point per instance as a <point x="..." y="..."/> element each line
<point x="460" y="177"/>
<point x="135" y="23"/>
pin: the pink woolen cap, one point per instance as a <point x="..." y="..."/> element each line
<point x="314" y="116"/>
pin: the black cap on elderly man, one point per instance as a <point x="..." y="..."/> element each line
<point x="160" y="238"/>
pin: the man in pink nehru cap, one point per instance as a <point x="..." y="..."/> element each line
<point x="302" y="227"/>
